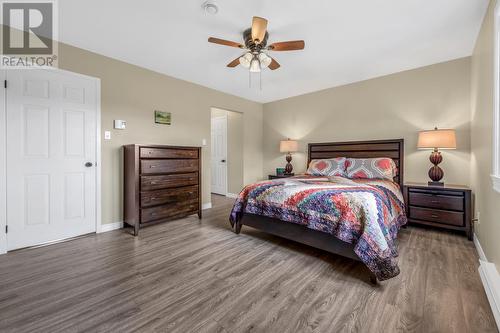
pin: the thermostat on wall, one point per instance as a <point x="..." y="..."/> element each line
<point x="120" y="124"/>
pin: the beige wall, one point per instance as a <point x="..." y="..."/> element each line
<point x="235" y="148"/>
<point x="389" y="107"/>
<point x="132" y="93"/>
<point x="482" y="100"/>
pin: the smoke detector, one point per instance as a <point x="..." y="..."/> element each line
<point x="210" y="7"/>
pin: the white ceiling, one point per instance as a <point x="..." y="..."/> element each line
<point x="346" y="41"/>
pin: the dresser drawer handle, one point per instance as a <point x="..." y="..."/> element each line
<point x="154" y="183"/>
<point x="152" y="166"/>
<point x="434" y="201"/>
<point x="434" y="216"/>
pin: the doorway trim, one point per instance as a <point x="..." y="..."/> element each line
<point x="3" y="156"/>
<point x="3" y="168"/>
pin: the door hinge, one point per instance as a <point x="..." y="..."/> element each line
<point x="6" y="229"/>
<point x="5" y="84"/>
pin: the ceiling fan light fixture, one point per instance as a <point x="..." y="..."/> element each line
<point x="255" y="65"/>
<point x="255" y="42"/>
<point x="244" y="62"/>
<point x="264" y="59"/>
<point x="246" y="59"/>
<point x="248" y="56"/>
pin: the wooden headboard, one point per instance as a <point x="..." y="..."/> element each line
<point x="361" y="149"/>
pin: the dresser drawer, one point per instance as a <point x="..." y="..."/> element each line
<point x="169" y="210"/>
<point x="149" y="183"/>
<point x="168" y="153"/>
<point x="437" y="216"/>
<point x="166" y="166"/>
<point x="436" y="201"/>
<point x="160" y="197"/>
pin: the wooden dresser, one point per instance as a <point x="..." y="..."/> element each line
<point x="161" y="183"/>
<point x="447" y="207"/>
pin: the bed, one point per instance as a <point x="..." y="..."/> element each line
<point x="368" y="213"/>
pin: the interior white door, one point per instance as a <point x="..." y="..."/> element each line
<point x="219" y="155"/>
<point x="51" y="156"/>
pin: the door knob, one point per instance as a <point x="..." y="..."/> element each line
<point x="223" y="161"/>
<point x="88" y="164"/>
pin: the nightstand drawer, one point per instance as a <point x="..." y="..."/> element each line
<point x="436" y="201"/>
<point x="437" y="216"/>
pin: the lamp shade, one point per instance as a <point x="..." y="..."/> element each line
<point x="437" y="138"/>
<point x="288" y="146"/>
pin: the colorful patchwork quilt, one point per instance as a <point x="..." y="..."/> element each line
<point x="365" y="212"/>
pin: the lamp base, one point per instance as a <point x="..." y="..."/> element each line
<point x="436" y="173"/>
<point x="288" y="166"/>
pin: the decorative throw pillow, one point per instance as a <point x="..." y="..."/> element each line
<point x="382" y="167"/>
<point x="327" y="167"/>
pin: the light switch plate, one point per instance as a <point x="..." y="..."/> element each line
<point x="107" y="135"/>
<point x="204" y="142"/>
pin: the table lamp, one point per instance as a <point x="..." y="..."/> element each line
<point x="436" y="139"/>
<point x="288" y="146"/>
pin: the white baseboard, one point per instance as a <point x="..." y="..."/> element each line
<point x="110" y="226"/>
<point x="232" y="195"/>
<point x="479" y="249"/>
<point x="491" y="281"/>
<point x="118" y="225"/>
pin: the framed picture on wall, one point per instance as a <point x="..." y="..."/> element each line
<point x="162" y="117"/>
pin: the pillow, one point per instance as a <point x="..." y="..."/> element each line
<point x="327" y="167"/>
<point x="371" y="168"/>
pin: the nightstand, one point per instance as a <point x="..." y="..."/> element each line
<point x="279" y="176"/>
<point x="447" y="207"/>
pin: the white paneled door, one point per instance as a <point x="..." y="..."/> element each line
<point x="51" y="119"/>
<point x="219" y="155"/>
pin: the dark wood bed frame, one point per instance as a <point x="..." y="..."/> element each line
<point x="301" y="234"/>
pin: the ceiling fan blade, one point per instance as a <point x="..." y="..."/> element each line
<point x="234" y="63"/>
<point x="274" y="65"/>
<point x="225" y="42"/>
<point x="288" y="46"/>
<point x="259" y="27"/>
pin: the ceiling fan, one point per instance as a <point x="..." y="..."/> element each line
<point x="256" y="57"/>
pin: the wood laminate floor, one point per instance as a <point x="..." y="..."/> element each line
<point x="192" y="276"/>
